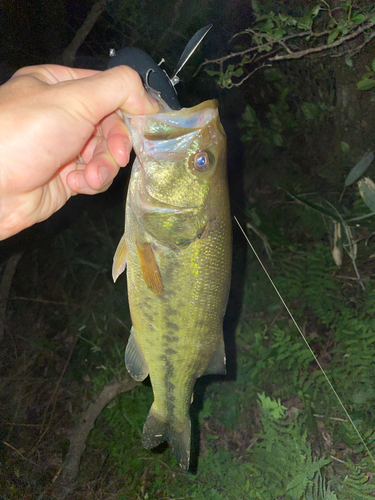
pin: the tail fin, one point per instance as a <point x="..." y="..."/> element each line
<point x="155" y="432"/>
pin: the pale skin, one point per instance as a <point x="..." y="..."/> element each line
<point x="61" y="133"/>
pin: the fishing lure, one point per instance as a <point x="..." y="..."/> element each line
<point x="153" y="77"/>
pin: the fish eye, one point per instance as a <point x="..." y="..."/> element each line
<point x="201" y="161"/>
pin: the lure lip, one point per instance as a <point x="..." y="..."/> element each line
<point x="154" y="78"/>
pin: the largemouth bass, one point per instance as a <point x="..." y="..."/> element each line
<point x="177" y="249"/>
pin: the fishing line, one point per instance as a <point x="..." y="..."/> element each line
<point x="307" y="344"/>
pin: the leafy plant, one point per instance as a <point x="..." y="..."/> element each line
<point x="282" y="458"/>
<point x="367" y="81"/>
<point x="278" y="37"/>
<point x="277" y="120"/>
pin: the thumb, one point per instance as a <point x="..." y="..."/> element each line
<point x="91" y="94"/>
<point x="101" y="94"/>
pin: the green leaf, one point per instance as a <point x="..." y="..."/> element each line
<point x="273" y="74"/>
<point x="315" y="11"/>
<point x="333" y="35"/>
<point x="272" y="407"/>
<point x="283" y="18"/>
<point x="305" y="23"/>
<point x="344" y="147"/>
<point x="359" y="169"/>
<point x="238" y="72"/>
<point x="255" y="6"/>
<point x="366" y="84"/>
<point x="284" y="94"/>
<point x="298" y="484"/>
<point x="212" y="73"/>
<point x="373" y="65"/>
<point x="249" y="115"/>
<point x="279" y="33"/>
<point x="317" y="208"/>
<point x="348" y="61"/>
<point x="359" y="18"/>
<point x="268" y="25"/>
<point x="277" y="139"/>
<point x="310" y="110"/>
<point x="367" y="191"/>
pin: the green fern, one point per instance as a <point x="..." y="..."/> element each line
<point x="282" y="458"/>
<point x="320" y="489"/>
<point x="354" y="358"/>
<point x="308" y="278"/>
<point x="357" y="485"/>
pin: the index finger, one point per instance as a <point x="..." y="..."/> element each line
<point x="94" y="94"/>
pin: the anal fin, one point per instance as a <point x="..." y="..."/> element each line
<point x="134" y="360"/>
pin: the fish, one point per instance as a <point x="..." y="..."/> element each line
<point x="177" y="251"/>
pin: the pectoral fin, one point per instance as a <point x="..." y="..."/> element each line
<point x="216" y="366"/>
<point x="119" y="260"/>
<point x="134" y="360"/>
<point x="150" y="269"/>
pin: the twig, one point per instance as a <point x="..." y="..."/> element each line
<point x="336" y="419"/>
<point x="21" y="455"/>
<point x="66" y="475"/>
<point x="5" y="285"/>
<point x="302" y="53"/>
<point x="353" y="278"/>
<point x="221" y="60"/>
<point x="45" y="301"/>
<point x="248" y="76"/>
<point x="282" y="41"/>
<point x="21" y="425"/>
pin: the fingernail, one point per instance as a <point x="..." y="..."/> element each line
<point x="103" y="174"/>
<point x="80" y="181"/>
<point x="128" y="150"/>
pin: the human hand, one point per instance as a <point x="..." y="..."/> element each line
<point x="49" y="115"/>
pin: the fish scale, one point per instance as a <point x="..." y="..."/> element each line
<point x="177" y="248"/>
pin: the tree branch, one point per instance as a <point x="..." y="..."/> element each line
<point x="301" y="53"/>
<point x="64" y="479"/>
<point x="298" y="54"/>
<point x="69" y="54"/>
